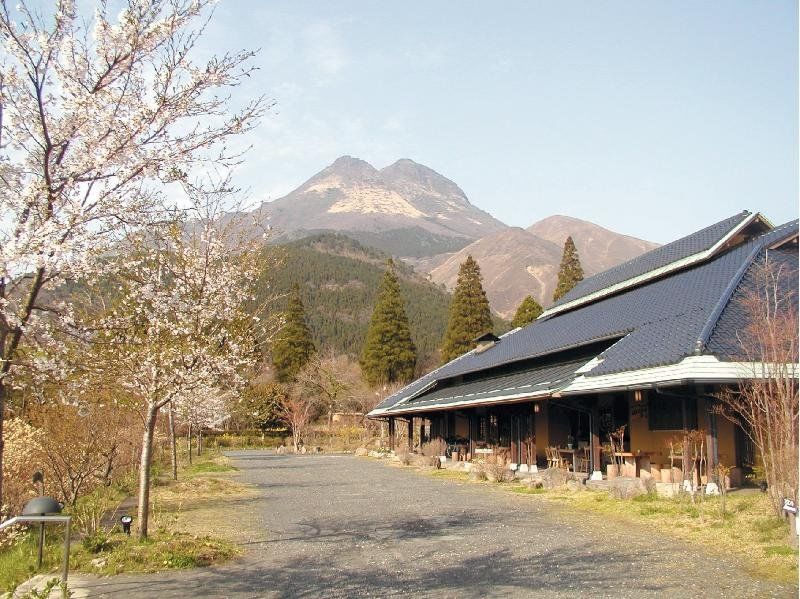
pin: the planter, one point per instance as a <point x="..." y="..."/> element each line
<point x="612" y="471"/>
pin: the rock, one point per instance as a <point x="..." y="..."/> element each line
<point x="362" y="451"/>
<point x="99" y="562"/>
<point x="280" y="450"/>
<point x="376" y="454"/>
<point x="574" y="485"/>
<point x="303" y="449"/>
<point x="552" y="478"/>
<point x="712" y="489"/>
<point x="628" y="488"/>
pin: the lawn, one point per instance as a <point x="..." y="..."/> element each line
<point x="185" y="530"/>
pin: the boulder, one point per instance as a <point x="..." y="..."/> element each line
<point x="362" y="451"/>
<point x="281" y="449"/>
<point x="552" y="478"/>
<point x="628" y="488"/>
<point x="574" y="485"/>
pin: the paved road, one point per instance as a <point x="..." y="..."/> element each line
<point x="340" y="526"/>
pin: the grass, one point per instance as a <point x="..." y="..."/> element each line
<point x="183" y="529"/>
<point x="747" y="531"/>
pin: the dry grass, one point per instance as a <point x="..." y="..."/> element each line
<point x="748" y="531"/>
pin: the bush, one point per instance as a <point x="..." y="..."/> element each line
<point x="434" y="448"/>
<point x="96" y="542"/>
<point x="403" y="455"/>
<point x="497" y="472"/>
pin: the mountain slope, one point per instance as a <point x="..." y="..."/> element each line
<point x="520" y="262"/>
<point x="598" y="248"/>
<point x="339" y="280"/>
<point x="351" y="195"/>
<point x="514" y="263"/>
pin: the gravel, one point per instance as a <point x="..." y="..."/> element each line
<point x="341" y="526"/>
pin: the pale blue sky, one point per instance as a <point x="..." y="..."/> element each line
<point x="652" y="119"/>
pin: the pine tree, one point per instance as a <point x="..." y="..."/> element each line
<point x="528" y="311"/>
<point x="293" y="346"/>
<point x="571" y="272"/>
<point x="389" y="354"/>
<point x="470" y="316"/>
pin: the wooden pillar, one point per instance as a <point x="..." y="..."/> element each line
<point x="391" y="433"/>
<point x="472" y="432"/>
<point x="411" y="432"/>
<point x="594" y="436"/>
<point x="422" y="439"/>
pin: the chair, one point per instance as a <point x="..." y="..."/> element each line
<point x="583" y="460"/>
<point x="554" y="459"/>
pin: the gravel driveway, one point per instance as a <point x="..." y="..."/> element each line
<point x="340" y="526"/>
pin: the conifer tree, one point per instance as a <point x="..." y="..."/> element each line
<point x="293" y="346"/>
<point x="528" y="311"/>
<point x="470" y="316"/>
<point x="570" y="272"/>
<point x="389" y="354"/>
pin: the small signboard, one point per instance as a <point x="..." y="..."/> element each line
<point x="788" y="506"/>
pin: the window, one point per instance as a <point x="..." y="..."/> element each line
<point x="671" y="413"/>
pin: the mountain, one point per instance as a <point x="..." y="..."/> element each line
<point x="520" y="262"/>
<point x="514" y="263"/>
<point x="598" y="248"/>
<point x="405" y="206"/>
<point x="339" y="280"/>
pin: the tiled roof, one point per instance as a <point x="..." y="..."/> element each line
<point x="726" y="341"/>
<point x="539" y="379"/>
<point x="657" y="323"/>
<point x="654" y="259"/>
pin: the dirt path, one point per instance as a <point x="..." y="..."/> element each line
<point x="340" y="526"/>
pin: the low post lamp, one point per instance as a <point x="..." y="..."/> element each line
<point x="43" y="510"/>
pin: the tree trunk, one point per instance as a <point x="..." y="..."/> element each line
<point x="173" y="443"/>
<point x="144" y="469"/>
<point x="189" y="439"/>
<point x="2" y="439"/>
<point x="330" y="417"/>
<point x="199" y="436"/>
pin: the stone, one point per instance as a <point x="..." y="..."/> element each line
<point x="628" y="488"/>
<point x="99" y="562"/>
<point x="362" y="451"/>
<point x="574" y="485"/>
<point x="280" y="450"/>
<point x="552" y="478"/>
<point x="712" y="489"/>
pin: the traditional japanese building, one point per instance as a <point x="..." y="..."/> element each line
<point x="641" y="348"/>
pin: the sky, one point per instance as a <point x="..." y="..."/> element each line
<point x="650" y="118"/>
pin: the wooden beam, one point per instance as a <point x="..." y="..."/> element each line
<point x="411" y="432"/>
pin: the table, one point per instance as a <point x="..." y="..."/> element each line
<point x="634" y="462"/>
<point x="574" y="454"/>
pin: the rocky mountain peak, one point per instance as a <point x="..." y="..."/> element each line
<point x="414" y="177"/>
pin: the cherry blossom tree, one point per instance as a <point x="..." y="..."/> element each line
<point x="97" y="115"/>
<point x="180" y="323"/>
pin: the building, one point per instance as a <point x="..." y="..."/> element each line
<point x="640" y="349"/>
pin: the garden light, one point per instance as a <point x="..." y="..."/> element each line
<point x="126" y="524"/>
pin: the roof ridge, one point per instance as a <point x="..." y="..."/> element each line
<point x="730" y="289"/>
<point x="632" y="280"/>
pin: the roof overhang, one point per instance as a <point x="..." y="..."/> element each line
<point x="693" y="369"/>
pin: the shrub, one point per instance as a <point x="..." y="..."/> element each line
<point x="434" y="448"/>
<point x="403" y="455"/>
<point x="497" y="472"/>
<point x="96" y="542"/>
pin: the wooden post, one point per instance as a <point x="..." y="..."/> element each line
<point x="410" y="432"/>
<point x="391" y="433"/>
<point x="594" y="436"/>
